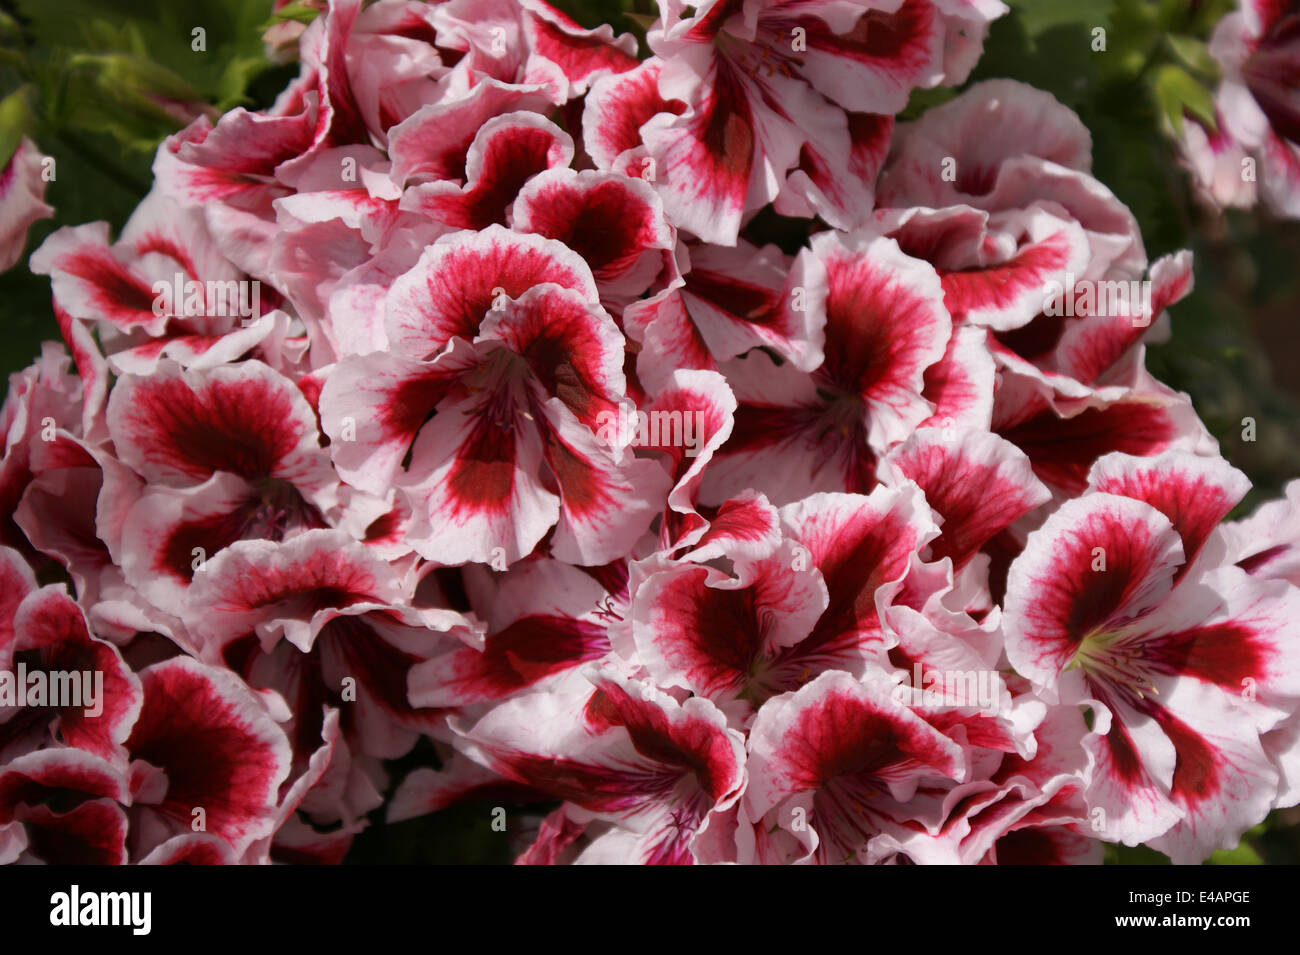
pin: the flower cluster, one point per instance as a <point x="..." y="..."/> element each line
<point x="463" y="395"/>
<point x="1252" y="148"/>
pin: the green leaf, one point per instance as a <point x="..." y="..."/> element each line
<point x="134" y="77"/>
<point x="924" y="99"/>
<point x="295" y="12"/>
<point x="1116" y="854"/>
<point x="9" y="28"/>
<point x="1172" y="12"/>
<point x="1039" y="16"/>
<point x="1244" y="854"/>
<point x="15" y="121"/>
<point x="162" y="32"/>
<point x="1194" y="53"/>
<point x="1178" y="92"/>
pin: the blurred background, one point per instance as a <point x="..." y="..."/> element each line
<point x="98" y="83"/>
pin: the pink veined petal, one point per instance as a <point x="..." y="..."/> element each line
<point x="885" y="324"/>
<point x="987" y="125"/>
<point x="654" y="761"/>
<point x="1062" y="447"/>
<point x="506" y="152"/>
<point x="458" y="279"/>
<point x="839" y="185"/>
<point x="614" y="222"/>
<point x="218" y="748"/>
<point x="863" y="546"/>
<point x="1222" y="779"/>
<point x="1265" y="544"/>
<point x="741" y="298"/>
<point x="513" y="659"/>
<point x="557" y="840"/>
<point x="875" y="65"/>
<point x="1194" y="492"/>
<point x="605" y="506"/>
<point x="710" y="633"/>
<point x="169" y="533"/>
<point x="292" y="588"/>
<point x="427" y="790"/>
<point x="49" y="622"/>
<point x="16" y="582"/>
<point x="33" y="777"/>
<point x="615" y="109"/>
<point x="193" y="848"/>
<point x="670" y="339"/>
<point x="477" y="494"/>
<point x="1009" y="294"/>
<point x="22" y="188"/>
<point x="91" y="282"/>
<point x="960" y="385"/>
<point x="582" y="55"/>
<point x="789" y="440"/>
<point x="703" y="160"/>
<point x="87" y="828"/>
<point x="359" y="663"/>
<point x="976" y="482"/>
<point x="1092" y="344"/>
<point x="179" y="427"/>
<point x="195" y="351"/>
<point x="744" y="526"/>
<point x="235" y="161"/>
<point x="844" y="754"/>
<point x="372" y="407"/>
<point x="1098" y="562"/>
<point x="433" y="142"/>
<point x="571" y="346"/>
<point x="701" y="402"/>
<point x="339" y="121"/>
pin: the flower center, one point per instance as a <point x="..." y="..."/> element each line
<point x="1117" y="659"/>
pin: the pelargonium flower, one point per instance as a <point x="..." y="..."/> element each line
<point x="1221" y="170"/>
<point x="620" y="750"/>
<point x="1117" y="600"/>
<point x="1257" y="50"/>
<point x="790" y="101"/>
<point x="115" y="774"/>
<point x="22" y="191"/>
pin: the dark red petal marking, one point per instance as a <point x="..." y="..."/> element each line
<point x="246" y="427"/>
<point x="1000" y="285"/>
<point x="482" y="478"/>
<point x="92" y="834"/>
<point x="578" y="55"/>
<point x="212" y="756"/>
<point x="528" y="650"/>
<point x="692" y="745"/>
<point x="1062" y="450"/>
<point x="1225" y="654"/>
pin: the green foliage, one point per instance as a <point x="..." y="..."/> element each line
<point x="295" y="13"/>
<point x="97" y="84"/>
<point x="1179" y="93"/>
<point x="1132" y="96"/>
<point x="1244" y="854"/>
<point x="161" y="33"/>
<point x="1133" y="855"/>
<point x="15" y="119"/>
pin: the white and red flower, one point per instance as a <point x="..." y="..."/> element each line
<point x="1183" y="664"/>
<point x="1259" y="116"/>
<point x="22" y="202"/>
